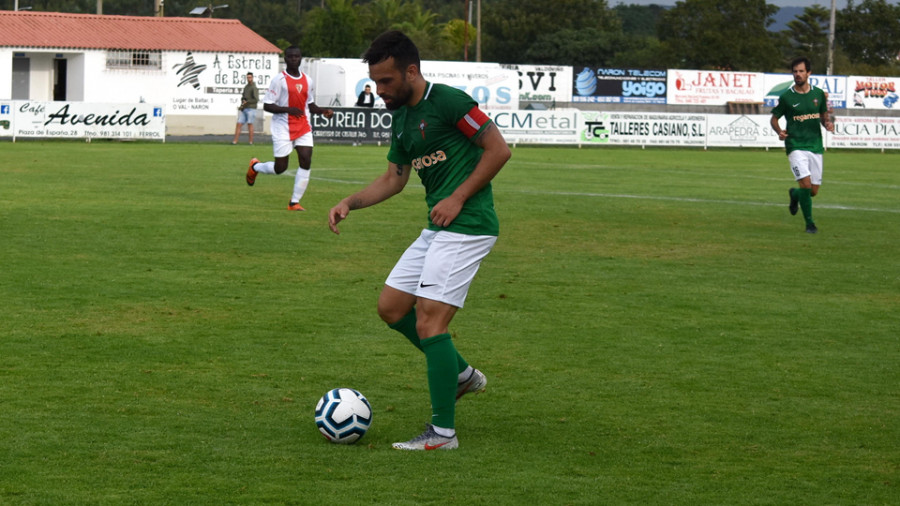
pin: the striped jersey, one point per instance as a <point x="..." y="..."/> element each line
<point x="286" y="90"/>
<point x="435" y="137"/>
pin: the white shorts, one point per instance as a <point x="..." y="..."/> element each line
<point x="806" y="164"/>
<point x="283" y="147"/>
<point x="440" y="265"/>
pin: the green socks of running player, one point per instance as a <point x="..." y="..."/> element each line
<point x="440" y="354"/>
<point x="407" y="327"/>
<point x="804" y="197"/>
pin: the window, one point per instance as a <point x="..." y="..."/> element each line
<point x="133" y="59"/>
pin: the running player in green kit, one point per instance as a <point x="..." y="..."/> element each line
<point x="805" y="108"/>
<point x="440" y="133"/>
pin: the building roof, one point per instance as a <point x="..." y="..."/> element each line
<point x="91" y="31"/>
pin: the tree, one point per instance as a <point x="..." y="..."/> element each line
<point x="639" y="20"/>
<point x="379" y="16"/>
<point x="422" y="28"/>
<point x="454" y="36"/>
<point x="333" y="31"/>
<point x="870" y="32"/>
<point x="511" y="27"/>
<point x="725" y="34"/>
<point x="808" y="34"/>
<point x="594" y="48"/>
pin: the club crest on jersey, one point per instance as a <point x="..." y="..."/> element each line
<point x="422" y="126"/>
<point x="816" y="102"/>
<point x="299" y="87"/>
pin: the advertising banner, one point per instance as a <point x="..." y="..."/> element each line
<point x="212" y="83"/>
<point x="714" y="87"/>
<point x="864" y="132"/>
<point x="643" y="129"/>
<point x="6" y="118"/>
<point x="353" y="125"/>
<point x="340" y="80"/>
<point x="87" y="120"/>
<point x="543" y="83"/>
<point x="879" y="93"/>
<point x="729" y="130"/>
<point x="538" y="127"/>
<point x="834" y="86"/>
<point x="619" y="85"/>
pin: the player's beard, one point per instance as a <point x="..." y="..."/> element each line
<point x="401" y="98"/>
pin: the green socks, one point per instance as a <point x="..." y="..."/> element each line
<point x="407" y="327"/>
<point x="441" y="356"/>
<point x="804" y="197"/>
<point x="444" y="365"/>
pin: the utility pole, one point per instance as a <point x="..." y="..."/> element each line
<point x="466" y="33"/>
<point x="830" y="67"/>
<point x="478" y="33"/>
<point x="99" y="6"/>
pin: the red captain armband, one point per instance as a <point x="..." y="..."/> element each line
<point x="472" y="122"/>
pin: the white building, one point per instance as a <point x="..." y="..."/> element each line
<point x="195" y="67"/>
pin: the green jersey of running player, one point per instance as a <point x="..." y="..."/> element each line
<point x="436" y="138"/>
<point x="803" y="112"/>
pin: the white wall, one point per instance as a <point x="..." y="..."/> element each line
<point x="6" y="55"/>
<point x="75" y="80"/>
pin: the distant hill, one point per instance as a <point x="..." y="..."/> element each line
<point x="783" y="17"/>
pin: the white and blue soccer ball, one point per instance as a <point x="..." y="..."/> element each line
<point x="343" y="415"/>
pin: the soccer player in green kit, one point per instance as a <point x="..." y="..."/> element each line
<point x="805" y="108"/>
<point x="440" y="133"/>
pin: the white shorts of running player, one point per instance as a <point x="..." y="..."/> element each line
<point x="283" y="147"/>
<point x="440" y="265"/>
<point x="806" y="164"/>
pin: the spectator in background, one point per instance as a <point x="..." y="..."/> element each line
<point x="366" y="98"/>
<point x="247" y="109"/>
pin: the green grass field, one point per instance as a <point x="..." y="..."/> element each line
<point x="655" y="327"/>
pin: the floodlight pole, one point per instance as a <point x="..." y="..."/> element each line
<point x="830" y="67"/>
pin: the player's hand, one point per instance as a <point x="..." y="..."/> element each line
<point x="295" y="111"/>
<point x="444" y="212"/>
<point x="336" y="215"/>
<point x="782" y="135"/>
<point x="829" y="126"/>
<point x="328" y="113"/>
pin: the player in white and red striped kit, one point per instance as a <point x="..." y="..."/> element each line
<point x="291" y="99"/>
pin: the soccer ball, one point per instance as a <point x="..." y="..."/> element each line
<point x="343" y="415"/>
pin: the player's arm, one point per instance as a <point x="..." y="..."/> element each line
<point x="496" y="154"/>
<point x="315" y="109"/>
<point x="278" y="109"/>
<point x="825" y="116"/>
<point x="386" y="186"/>
<point x="782" y="134"/>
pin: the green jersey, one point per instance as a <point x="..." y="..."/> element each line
<point x="803" y="112"/>
<point x="436" y="137"/>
